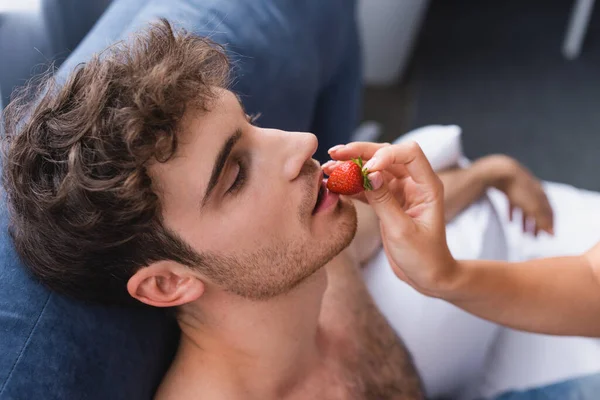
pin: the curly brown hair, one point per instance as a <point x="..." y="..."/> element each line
<point x="84" y="215"/>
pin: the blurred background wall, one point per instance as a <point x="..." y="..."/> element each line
<point x="496" y="68"/>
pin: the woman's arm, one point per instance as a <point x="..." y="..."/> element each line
<point x="556" y="295"/>
<point x="462" y="187"/>
<point x="559" y="296"/>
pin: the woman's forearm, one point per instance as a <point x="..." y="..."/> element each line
<point x="462" y="187"/>
<point x="558" y="296"/>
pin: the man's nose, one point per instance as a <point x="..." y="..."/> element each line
<point x="300" y="146"/>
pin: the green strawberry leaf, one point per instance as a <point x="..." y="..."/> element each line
<point x="366" y="182"/>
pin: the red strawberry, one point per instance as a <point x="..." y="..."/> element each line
<point x="349" y="178"/>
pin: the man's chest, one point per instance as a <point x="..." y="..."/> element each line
<point x="365" y="358"/>
<point x="368" y="361"/>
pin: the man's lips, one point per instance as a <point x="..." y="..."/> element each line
<point x="325" y="198"/>
<point x="328" y="199"/>
<point x="320" y="195"/>
<point x="319" y="190"/>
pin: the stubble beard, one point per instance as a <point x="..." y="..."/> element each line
<point x="278" y="269"/>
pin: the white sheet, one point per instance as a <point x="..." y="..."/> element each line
<point x="521" y="360"/>
<point x="461" y="356"/>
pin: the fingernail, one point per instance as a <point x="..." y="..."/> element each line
<point x="327" y="164"/>
<point x="334" y="148"/>
<point x="376" y="179"/>
<point x="370" y="163"/>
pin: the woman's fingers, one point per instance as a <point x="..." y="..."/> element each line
<point x="400" y="159"/>
<point x="396" y="171"/>
<point x="393" y="218"/>
<point x="365" y="150"/>
<point x="548" y="220"/>
<point x="535" y="222"/>
<point x="393" y="186"/>
<point x="543" y="215"/>
<point x="410" y="156"/>
<point x="329" y="166"/>
<point x="545" y="221"/>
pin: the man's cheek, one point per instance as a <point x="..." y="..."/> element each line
<point x="271" y="207"/>
<point x="242" y="228"/>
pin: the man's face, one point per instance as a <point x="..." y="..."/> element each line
<point x="244" y="197"/>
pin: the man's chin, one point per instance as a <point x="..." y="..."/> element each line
<point x="304" y="261"/>
<point x="341" y="231"/>
<point x="346" y="220"/>
<point x="339" y="235"/>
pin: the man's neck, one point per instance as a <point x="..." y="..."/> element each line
<point x="265" y="348"/>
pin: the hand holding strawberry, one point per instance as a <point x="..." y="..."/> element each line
<point x="349" y="178"/>
<point x="408" y="197"/>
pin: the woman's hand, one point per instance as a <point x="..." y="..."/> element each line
<point x="524" y="192"/>
<point x="408" y="198"/>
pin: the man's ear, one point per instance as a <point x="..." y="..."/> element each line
<point x="165" y="284"/>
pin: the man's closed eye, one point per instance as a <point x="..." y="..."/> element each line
<point x="240" y="176"/>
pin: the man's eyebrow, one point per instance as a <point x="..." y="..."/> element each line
<point x="220" y="162"/>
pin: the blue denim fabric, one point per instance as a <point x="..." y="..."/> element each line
<point x="297" y="63"/>
<point x="584" y="388"/>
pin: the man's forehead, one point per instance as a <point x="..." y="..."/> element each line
<point x="200" y="137"/>
<point x="224" y="102"/>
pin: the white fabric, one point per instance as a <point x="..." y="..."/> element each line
<point x="441" y="144"/>
<point x="459" y="355"/>
<point x="520" y="360"/>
